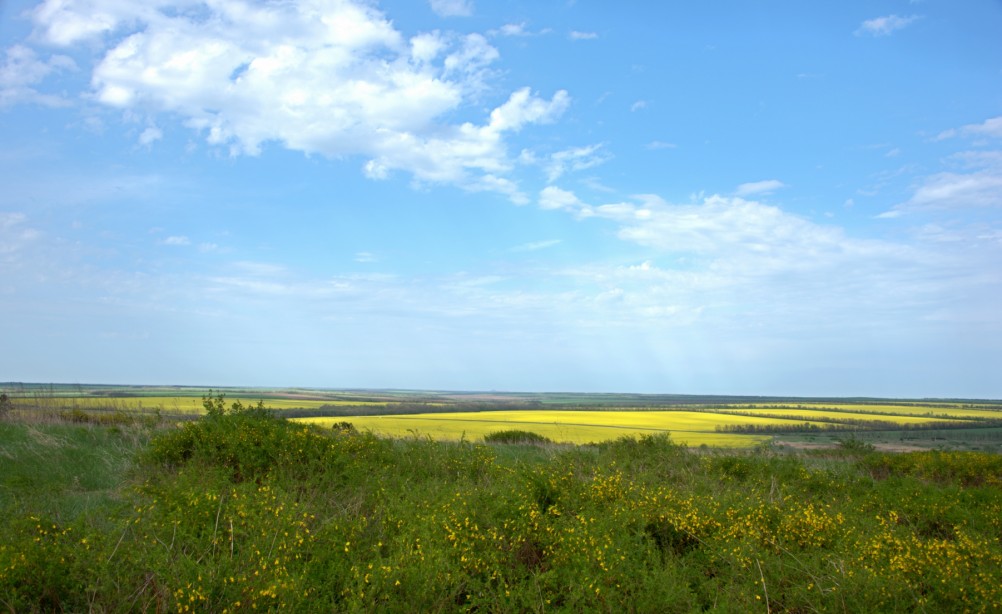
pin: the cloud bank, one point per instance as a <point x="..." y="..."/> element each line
<point x="329" y="77"/>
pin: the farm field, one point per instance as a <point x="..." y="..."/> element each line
<point x="580" y="427"/>
<point x="178" y="403"/>
<point x="954" y="411"/>
<point x="829" y="414"/>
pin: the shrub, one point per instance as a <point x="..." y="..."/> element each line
<point x="343" y="427"/>
<point x="855" y="445"/>
<point x="248" y="441"/>
<point x="515" y="436"/>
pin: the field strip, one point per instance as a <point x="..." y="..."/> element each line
<point x="456" y="430"/>
<point x="181" y="404"/>
<point x="848" y="417"/>
<point x="854" y="408"/>
<point x="537" y="423"/>
<point x="659" y="420"/>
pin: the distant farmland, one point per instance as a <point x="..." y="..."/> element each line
<point x="693" y="428"/>
<point x="735" y="422"/>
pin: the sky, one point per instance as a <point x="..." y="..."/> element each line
<point x="773" y="197"/>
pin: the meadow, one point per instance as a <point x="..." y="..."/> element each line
<point x="242" y="510"/>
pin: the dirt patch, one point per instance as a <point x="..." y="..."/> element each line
<point x="880" y="447"/>
<point x="898" y="447"/>
<point x="803" y="445"/>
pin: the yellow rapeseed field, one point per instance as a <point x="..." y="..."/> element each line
<point x="180" y="404"/>
<point x="802" y="414"/>
<point x="850" y="408"/>
<point x="692" y="428"/>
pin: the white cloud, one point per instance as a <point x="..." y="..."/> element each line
<point x="951" y="190"/>
<point x="882" y="26"/>
<point x="638" y="105"/>
<point x="511" y="29"/>
<point x="452" y="8"/>
<point x="552" y="197"/>
<point x="150" y="135"/>
<point x="14" y="234"/>
<point x="22" y="70"/>
<point x="577" y="35"/>
<point x="654" y="145"/>
<point x="719" y="225"/>
<point x="575" y="159"/>
<point x="333" y="78"/>
<point x="177" y="240"/>
<point x="759" y="187"/>
<point x="536" y="245"/>
<point x="990" y="127"/>
<point x="365" y="257"/>
<point x="524" y="108"/>
<point x="9" y="220"/>
<point x="977" y="183"/>
<point x="725" y="233"/>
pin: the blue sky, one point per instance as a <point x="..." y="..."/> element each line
<point x="704" y="197"/>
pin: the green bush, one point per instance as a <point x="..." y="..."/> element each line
<point x="855" y="445"/>
<point x="515" y="436"/>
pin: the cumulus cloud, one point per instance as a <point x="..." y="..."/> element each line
<point x="23" y="70"/>
<point x="759" y="187"/>
<point x="332" y="78"/>
<point x="577" y="35"/>
<point x="882" y="26"/>
<point x="452" y="8"/>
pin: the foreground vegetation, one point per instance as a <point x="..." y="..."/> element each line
<point x="242" y="510"/>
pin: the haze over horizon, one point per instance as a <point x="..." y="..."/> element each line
<point x="782" y="198"/>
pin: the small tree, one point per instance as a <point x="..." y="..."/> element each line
<point x="215" y="406"/>
<point x="5" y="404"/>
